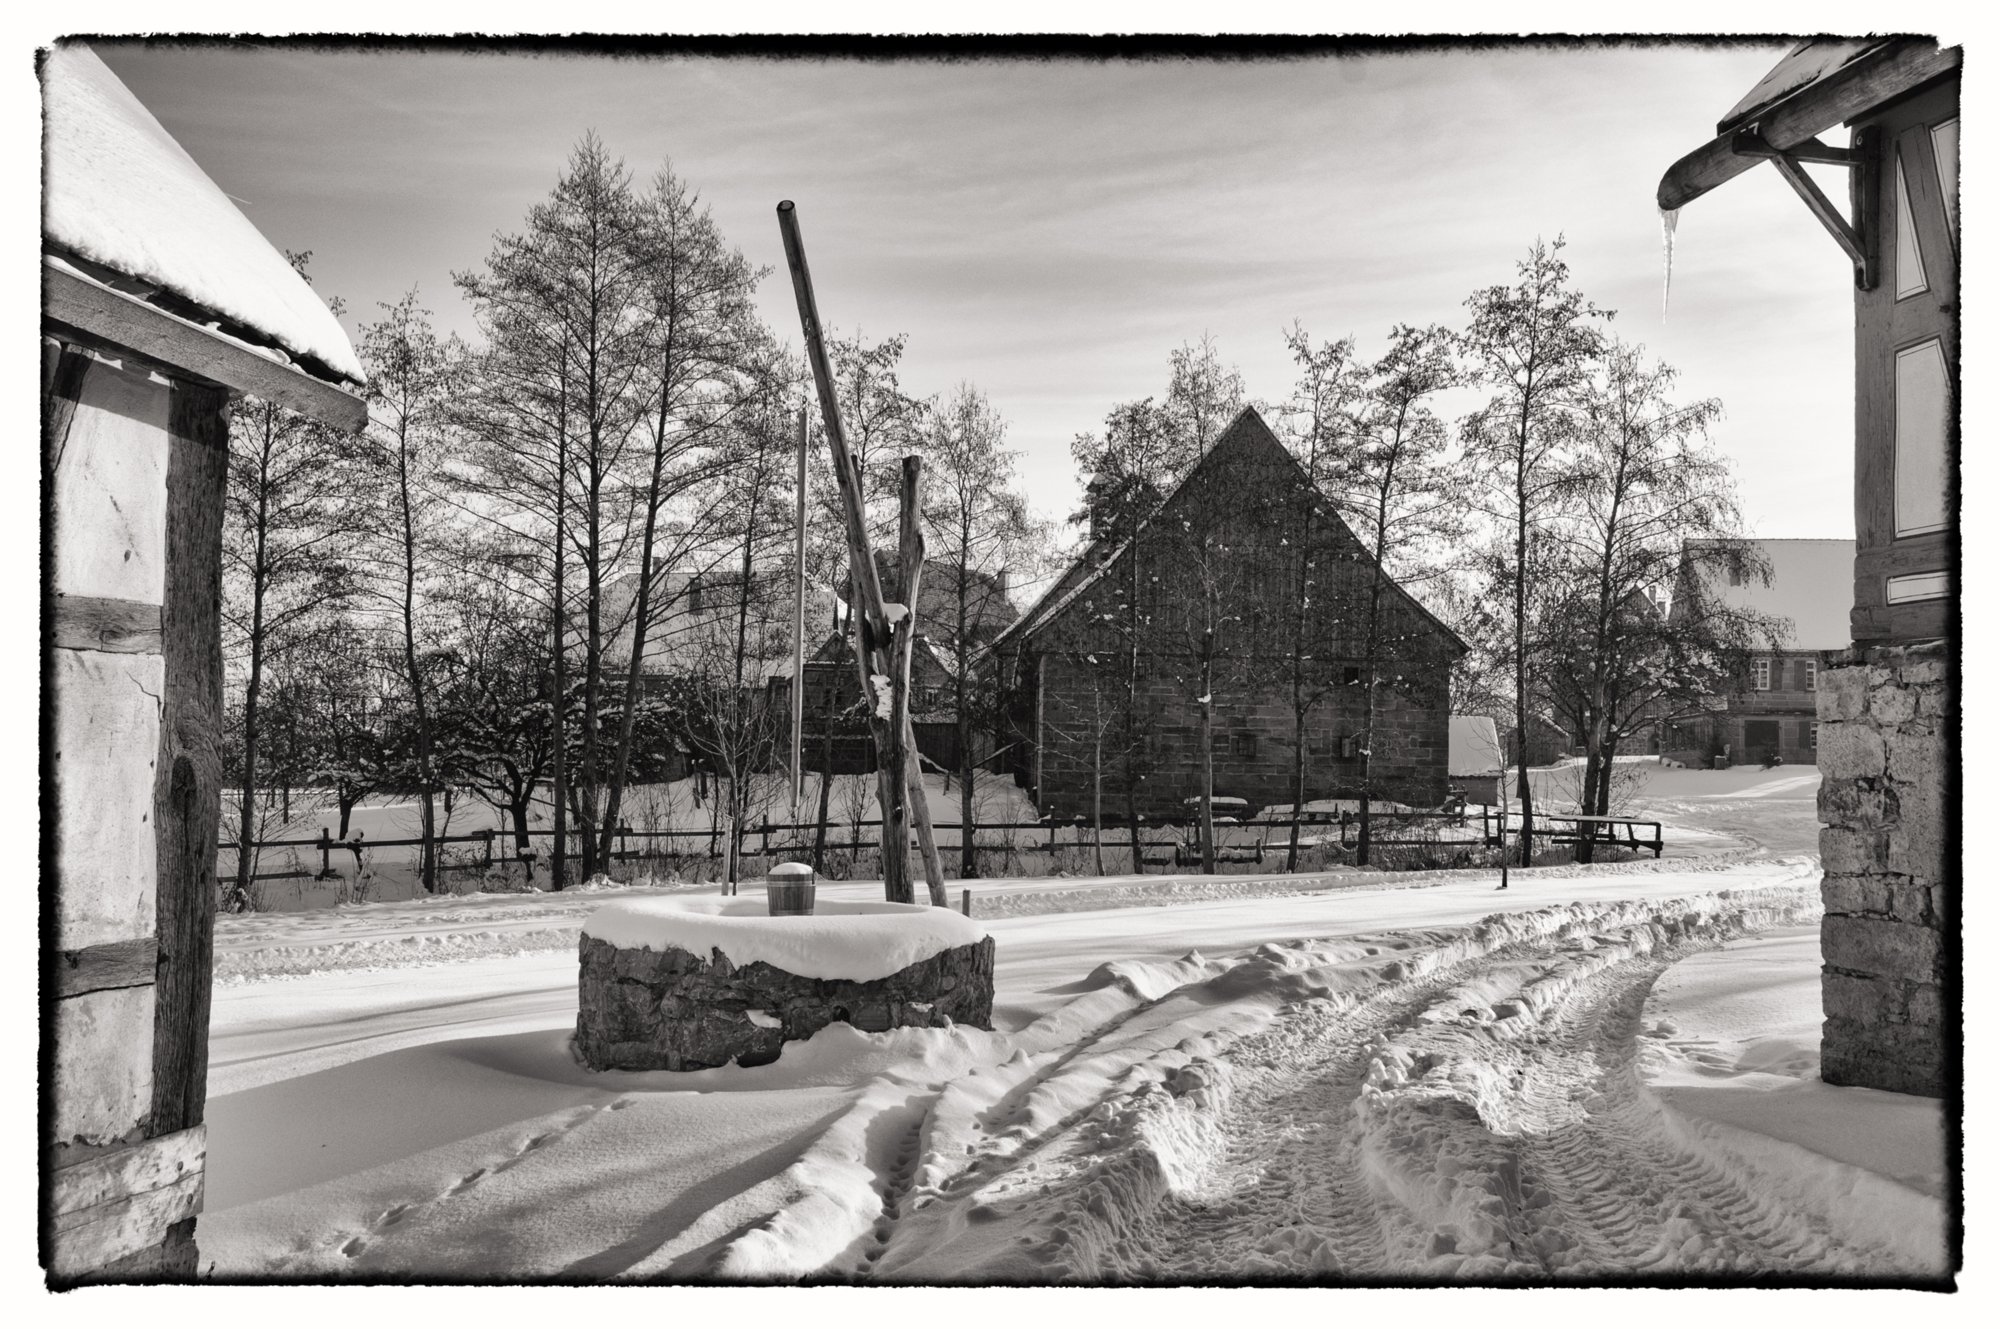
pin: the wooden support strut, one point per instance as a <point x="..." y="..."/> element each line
<point x="1847" y="234"/>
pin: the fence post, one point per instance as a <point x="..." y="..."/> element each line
<point x="489" y="848"/>
<point x="325" y="852"/>
<point x="965" y="902"/>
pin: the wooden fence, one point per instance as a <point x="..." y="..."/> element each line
<point x="1236" y="842"/>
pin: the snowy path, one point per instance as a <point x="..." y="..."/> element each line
<point x="1485" y="1120"/>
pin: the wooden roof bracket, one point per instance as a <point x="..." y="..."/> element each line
<point x="1854" y="235"/>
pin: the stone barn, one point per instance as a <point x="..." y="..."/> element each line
<point x="1246" y="593"/>
<point x="160" y="301"/>
<point x="1887" y="704"/>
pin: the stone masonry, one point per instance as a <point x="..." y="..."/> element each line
<point x="1886" y="719"/>
<point x="647" y="1010"/>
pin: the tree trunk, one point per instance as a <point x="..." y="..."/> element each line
<point x="1207" y="828"/>
<point x="1298" y="777"/>
<point x="1522" y="791"/>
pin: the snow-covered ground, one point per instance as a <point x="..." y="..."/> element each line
<point x="1731" y="1050"/>
<point x="1329" y="1076"/>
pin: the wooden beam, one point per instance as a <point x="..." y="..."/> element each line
<point x="75" y="307"/>
<point x="62" y="391"/>
<point x="1822" y="207"/>
<point x="122" y="1202"/>
<point x="98" y="623"/>
<point x="1749" y="143"/>
<point x="187" y="789"/>
<point x="111" y="964"/>
<point x="1841" y="96"/>
<point x="910" y="573"/>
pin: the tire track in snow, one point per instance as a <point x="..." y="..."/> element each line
<point x="1573" y="1168"/>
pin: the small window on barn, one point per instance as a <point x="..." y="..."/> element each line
<point x="1812" y="737"/>
<point x="1810" y="674"/>
<point x="1910" y="279"/>
<point x="1243" y="746"/>
<point x="1350" y="676"/>
<point x="1760" y="676"/>
<point x="1350" y="747"/>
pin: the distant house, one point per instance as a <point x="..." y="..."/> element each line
<point x="1230" y="537"/>
<point x="1769" y="715"/>
<point x="836" y="735"/>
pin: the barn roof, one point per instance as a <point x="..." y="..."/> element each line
<point x="125" y="208"/>
<point x="1248" y="430"/>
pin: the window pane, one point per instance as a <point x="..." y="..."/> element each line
<point x="1909" y="254"/>
<point x="1923" y="414"/>
<point x="1944" y="142"/>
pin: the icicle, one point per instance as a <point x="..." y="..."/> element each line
<point x="1669" y="218"/>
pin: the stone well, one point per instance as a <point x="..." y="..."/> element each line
<point x="687" y="983"/>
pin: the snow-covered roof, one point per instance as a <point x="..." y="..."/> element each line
<point x="1803" y="65"/>
<point x="1812" y="585"/>
<point x="1473" y="747"/>
<point x="121" y="193"/>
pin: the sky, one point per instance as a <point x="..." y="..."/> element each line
<point x="1050" y="230"/>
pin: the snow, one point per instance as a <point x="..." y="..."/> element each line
<point x="846" y="939"/>
<point x="895" y="613"/>
<point x="1734" y="1058"/>
<point x="119" y="191"/>
<point x="1341" y="1074"/>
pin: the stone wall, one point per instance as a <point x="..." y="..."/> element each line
<point x="646" y="1010"/>
<point x="1888" y="717"/>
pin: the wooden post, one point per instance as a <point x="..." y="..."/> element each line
<point x="488" y="837"/>
<point x="325" y="852"/>
<point x="910" y="569"/>
<point x="187" y="789"/>
<point x="965" y="902"/>
<point x="799" y="627"/>
<point x="872" y="659"/>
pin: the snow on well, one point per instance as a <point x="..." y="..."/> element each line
<point x="121" y="192"/>
<point x="847" y="939"/>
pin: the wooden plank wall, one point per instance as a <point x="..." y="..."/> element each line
<point x="134" y="473"/>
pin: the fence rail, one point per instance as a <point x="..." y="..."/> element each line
<point x="1232" y="838"/>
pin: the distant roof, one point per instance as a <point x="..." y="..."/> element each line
<point x="1805" y="64"/>
<point x="1474" y="747"/>
<point x="1247" y="430"/>
<point x="121" y="193"/>
<point x="1812" y="584"/>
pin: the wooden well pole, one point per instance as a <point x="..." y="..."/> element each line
<point x="872" y="638"/>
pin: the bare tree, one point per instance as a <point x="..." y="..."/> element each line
<point x="1534" y="345"/>
<point x="566" y="315"/>
<point x="405" y="457"/>
<point x="285" y="549"/>
<point x="704" y="353"/>
<point x="1402" y="496"/>
<point x="979" y="527"/>
<point x="1653" y="509"/>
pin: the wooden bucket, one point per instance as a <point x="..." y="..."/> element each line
<point x="789" y="889"/>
